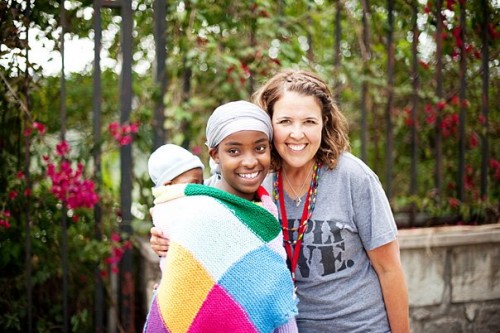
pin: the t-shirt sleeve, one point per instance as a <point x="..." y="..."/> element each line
<point x="372" y="212"/>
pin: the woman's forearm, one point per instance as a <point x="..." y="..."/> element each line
<point x="395" y="295"/>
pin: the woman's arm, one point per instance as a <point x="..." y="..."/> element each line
<point x="387" y="263"/>
<point x="159" y="243"/>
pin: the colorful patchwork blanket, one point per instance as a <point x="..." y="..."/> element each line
<point x="225" y="270"/>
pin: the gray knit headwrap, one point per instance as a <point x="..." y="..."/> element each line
<point x="236" y="116"/>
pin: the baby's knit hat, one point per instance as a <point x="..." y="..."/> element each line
<point x="169" y="161"/>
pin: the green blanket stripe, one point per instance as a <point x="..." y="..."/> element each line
<point x="256" y="218"/>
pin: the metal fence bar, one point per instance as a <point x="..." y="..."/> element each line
<point x="462" y="96"/>
<point x="160" y="13"/>
<point x="485" y="98"/>
<point x="414" y="107"/>
<point x="336" y="50"/>
<point x="389" y="161"/>
<point x="27" y="243"/>
<point x="127" y="290"/>
<point x="365" y="54"/>
<point x="438" y="171"/>
<point x="64" y="227"/>
<point x="27" y="210"/>
<point x="96" y="129"/>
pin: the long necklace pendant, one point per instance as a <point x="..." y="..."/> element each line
<point x="298" y="201"/>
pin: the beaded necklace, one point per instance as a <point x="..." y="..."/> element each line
<point x="293" y="247"/>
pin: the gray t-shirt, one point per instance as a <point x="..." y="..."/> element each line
<point x="337" y="287"/>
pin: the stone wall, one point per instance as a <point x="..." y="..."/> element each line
<point x="453" y="276"/>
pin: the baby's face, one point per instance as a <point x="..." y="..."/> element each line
<point x="193" y="176"/>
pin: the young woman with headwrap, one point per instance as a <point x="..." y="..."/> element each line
<point x="338" y="228"/>
<point x="226" y="269"/>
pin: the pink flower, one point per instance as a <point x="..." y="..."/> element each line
<point x="117" y="252"/>
<point x="473" y="140"/>
<point x="40" y="127"/>
<point x="128" y="129"/>
<point x="495" y="166"/>
<point x="469" y="177"/>
<point x="493" y="31"/>
<point x="123" y="134"/>
<point x="441" y="105"/>
<point x="115" y="237"/>
<point x="4" y="224"/>
<point x="457" y="33"/>
<point x="453" y="202"/>
<point x="27" y="131"/>
<point x="12" y="195"/>
<point x="114" y="128"/>
<point x="69" y="186"/>
<point x="127" y="245"/>
<point x="246" y="69"/>
<point x="427" y="8"/>
<point x="196" y="150"/>
<point x="62" y="148"/>
<point x="407" y="117"/>
<point x="125" y="140"/>
<point x="4" y="219"/>
<point x="482" y="119"/>
<point x="455" y="100"/>
<point x="134" y="127"/>
<point x="449" y="125"/>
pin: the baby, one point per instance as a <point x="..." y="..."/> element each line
<point x="171" y="164"/>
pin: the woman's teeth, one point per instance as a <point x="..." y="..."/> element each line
<point x="248" y="175"/>
<point x="297" y="147"/>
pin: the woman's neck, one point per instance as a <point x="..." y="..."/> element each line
<point x="296" y="181"/>
<point x="297" y="176"/>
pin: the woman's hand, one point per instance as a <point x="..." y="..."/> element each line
<point x="158" y="242"/>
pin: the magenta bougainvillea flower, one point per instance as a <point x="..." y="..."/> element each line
<point x="39" y="127"/>
<point x="118" y="249"/>
<point x="5" y="219"/>
<point x="62" y="148"/>
<point x="69" y="184"/>
<point x="122" y="134"/>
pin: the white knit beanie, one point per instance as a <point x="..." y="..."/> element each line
<point x="169" y="161"/>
